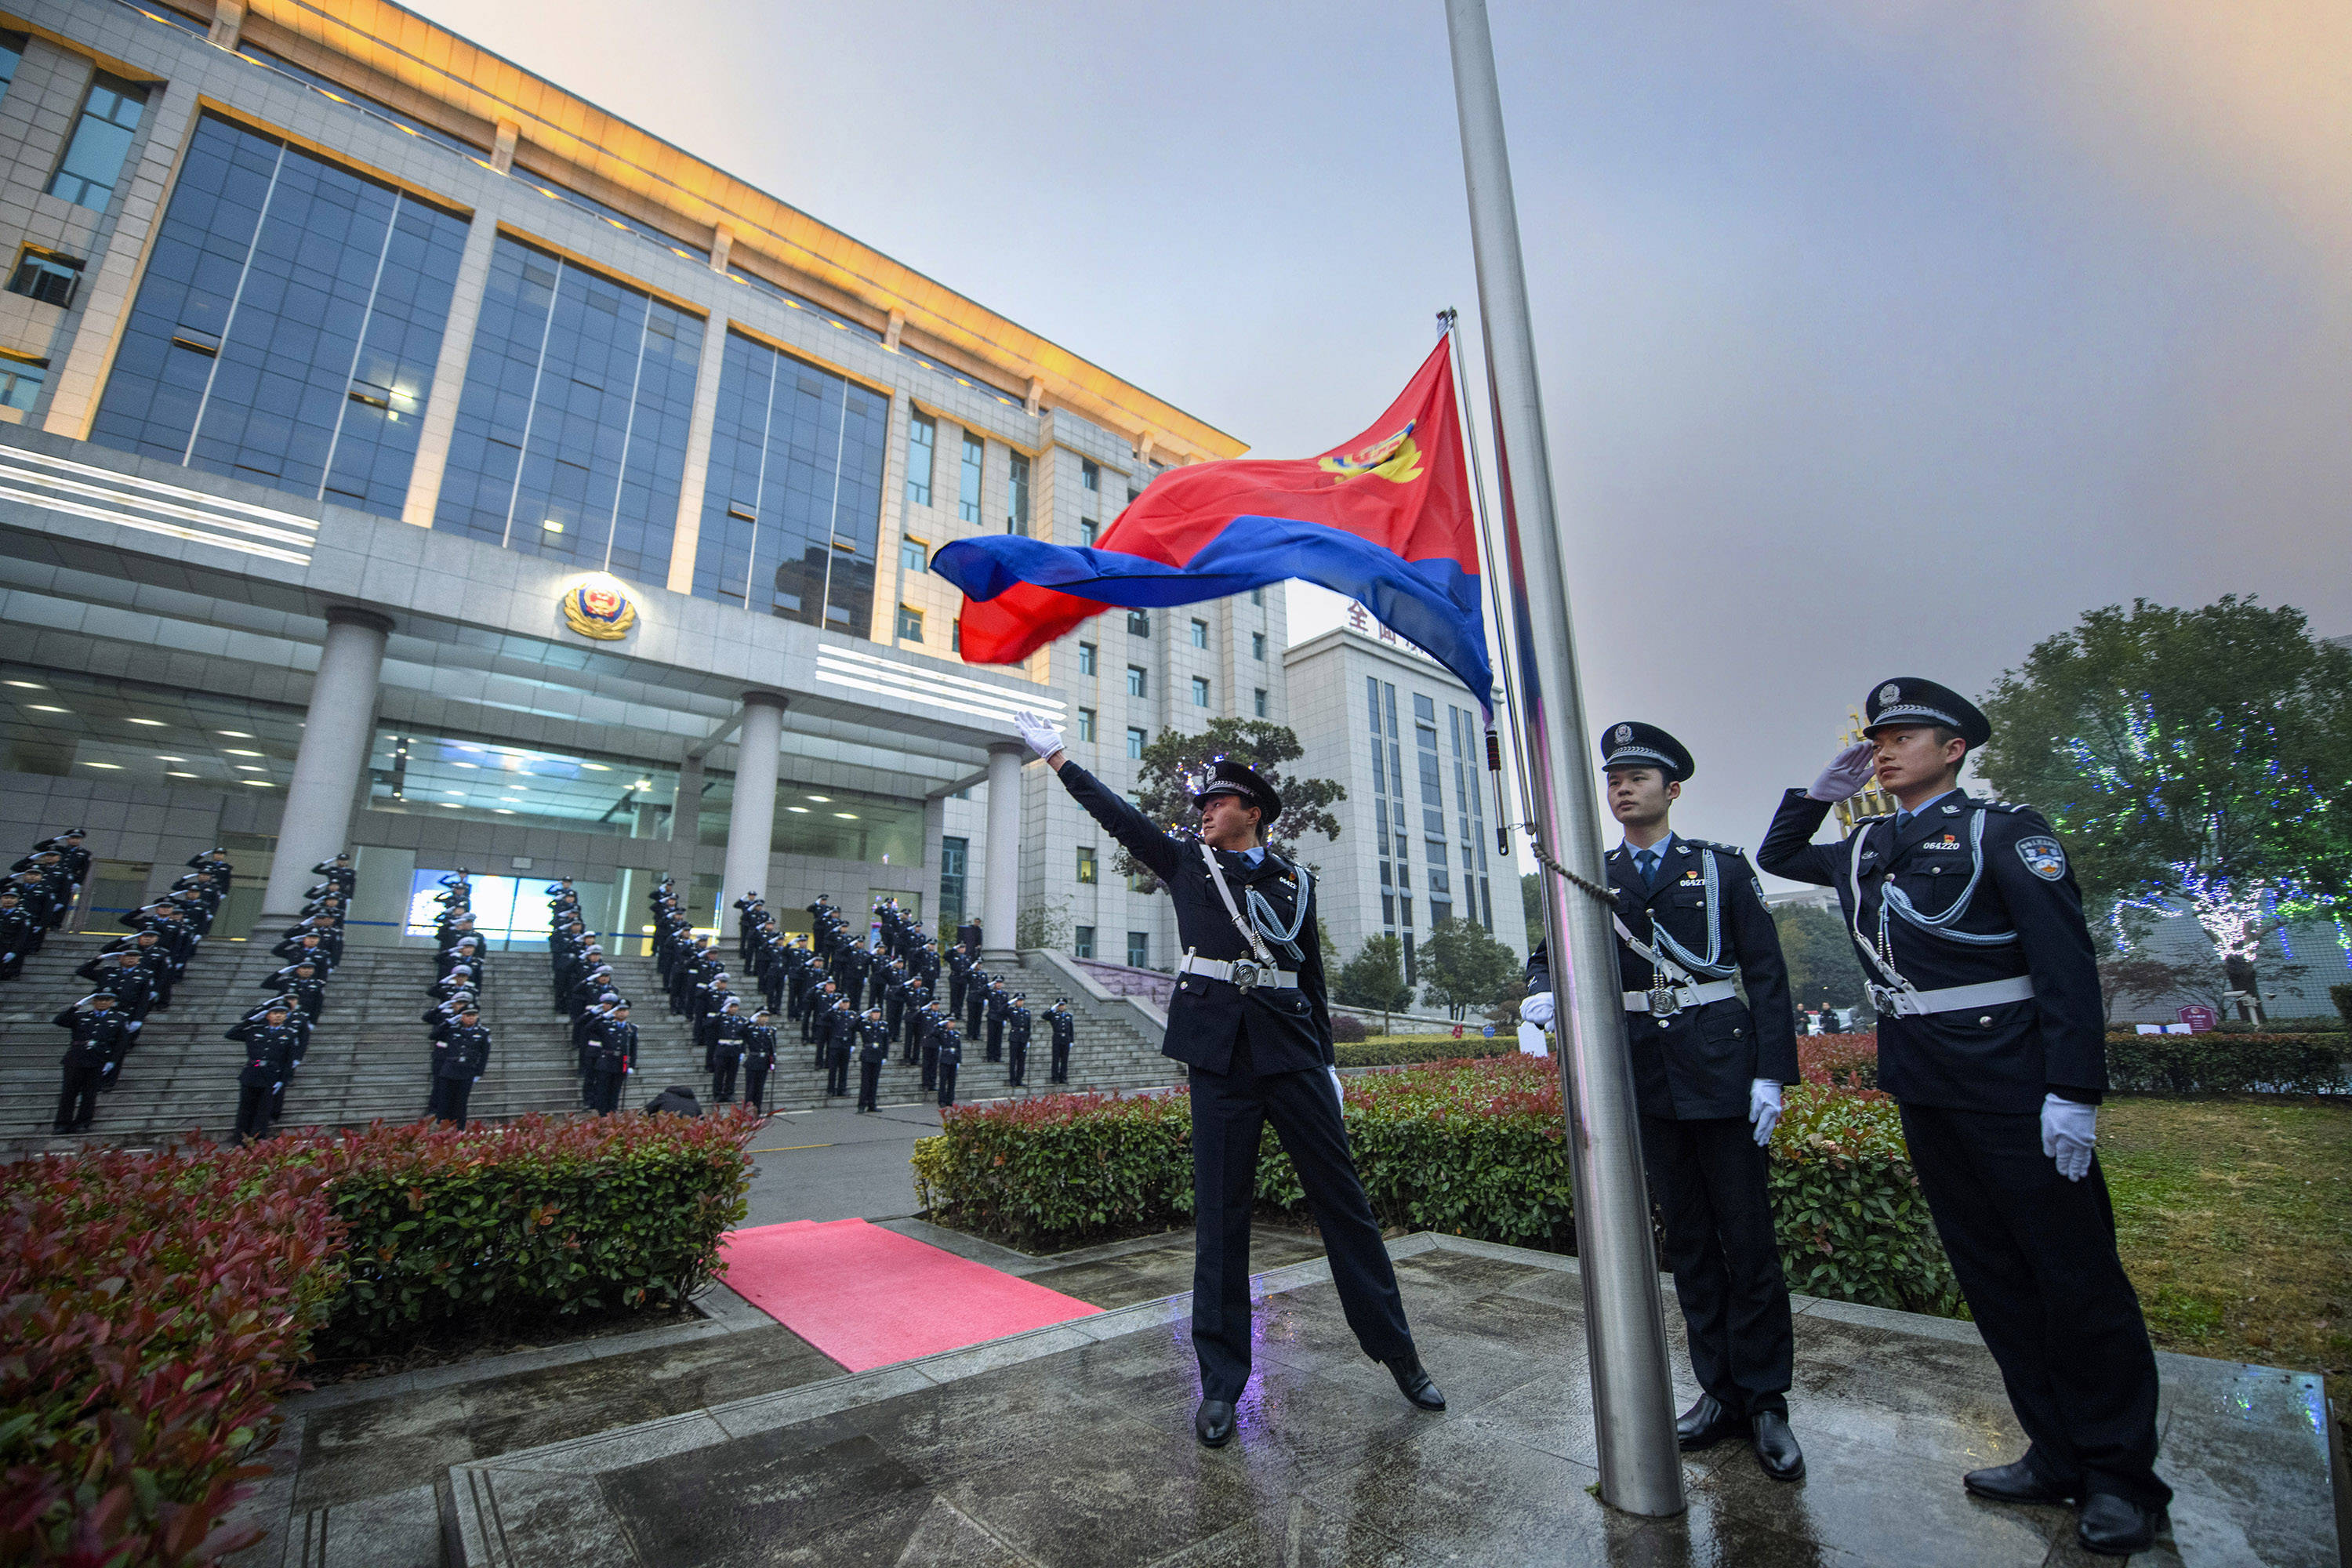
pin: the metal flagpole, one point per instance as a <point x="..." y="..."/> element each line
<point x="1625" y="1335"/>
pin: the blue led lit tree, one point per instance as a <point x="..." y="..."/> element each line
<point x="2199" y="761"/>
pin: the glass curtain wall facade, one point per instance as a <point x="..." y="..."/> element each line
<point x="287" y="325"/>
<point x="792" y="514"/>
<point x="571" y="438"/>
<point x="1470" y="816"/>
<point x="1389" y="809"/>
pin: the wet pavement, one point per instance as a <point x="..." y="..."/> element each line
<point x="1071" y="1447"/>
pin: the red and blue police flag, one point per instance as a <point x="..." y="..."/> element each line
<point x="1384" y="519"/>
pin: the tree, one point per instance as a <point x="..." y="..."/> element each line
<point x="1467" y="968"/>
<point x="1044" y="925"/>
<point x="1374" y="979"/>
<point x="1823" y="969"/>
<point x="2198" y="761"/>
<point x="1168" y="757"/>
<point x="1532" y="902"/>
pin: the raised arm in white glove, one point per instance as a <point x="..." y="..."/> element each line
<point x="1764" y="1109"/>
<point x="1044" y="736"/>
<point x="2069" y="1131"/>
<point x="1537" y="1010"/>
<point x="1847" y="773"/>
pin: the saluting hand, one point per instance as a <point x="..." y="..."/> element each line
<point x="1848" y="772"/>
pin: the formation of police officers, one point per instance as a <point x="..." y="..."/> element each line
<point x="276" y="1034"/>
<point x="460" y="1041"/>
<point x="1991" y="1037"/>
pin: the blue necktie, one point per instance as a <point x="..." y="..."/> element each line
<point x="1646" y="861"/>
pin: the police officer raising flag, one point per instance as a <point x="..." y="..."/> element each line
<point x="1250" y="1021"/>
<point x="1707" y="1071"/>
<point x="1992" y="1036"/>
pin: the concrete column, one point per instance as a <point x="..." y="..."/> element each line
<point x="1001" y="859"/>
<point x="336" y="734"/>
<point x="228" y="24"/>
<point x="503" y="146"/>
<point x="449" y="373"/>
<point x="689" y="533"/>
<point x="751" y="824"/>
<point x="686" y="819"/>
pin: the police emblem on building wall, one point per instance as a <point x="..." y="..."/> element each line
<point x="599" y="610"/>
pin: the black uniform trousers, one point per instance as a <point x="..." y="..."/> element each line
<point x="722" y="1074"/>
<point x="78" y="1100"/>
<point x="836" y="1074"/>
<point x="869" y="1086"/>
<point x="253" y="1111"/>
<point x="1016" y="1072"/>
<point x="2035" y="1256"/>
<point x="1706" y="1177"/>
<point x="449" y="1097"/>
<point x="1061" y="1067"/>
<point x="605" y="1091"/>
<point x="1228" y="1111"/>
<point x="996" y="1039"/>
<point x="755" y="1085"/>
<point x="946" y="1074"/>
<point x="930" y="1064"/>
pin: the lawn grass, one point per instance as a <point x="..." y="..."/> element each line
<point x="2234" y="1217"/>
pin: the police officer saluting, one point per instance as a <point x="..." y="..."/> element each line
<point x="1250" y="1020"/>
<point x="1707" y="1071"/>
<point x="1991" y="1035"/>
<point x="1065" y="1029"/>
<point x="460" y="1052"/>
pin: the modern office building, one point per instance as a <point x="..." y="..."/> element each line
<point x="399" y="451"/>
<point x="1417" y="827"/>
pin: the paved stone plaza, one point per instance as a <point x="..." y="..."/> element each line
<point x="1072" y="1445"/>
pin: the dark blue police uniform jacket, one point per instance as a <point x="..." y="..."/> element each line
<point x="1698" y="1064"/>
<point x="1287" y="1030"/>
<point x="2019" y="914"/>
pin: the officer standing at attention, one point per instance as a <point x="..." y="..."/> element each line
<point x="841" y="1029"/>
<point x="1016" y="1040"/>
<point x="759" y="1057"/>
<point x="271" y="1048"/>
<point x="1257" y="1036"/>
<point x="611" y="1057"/>
<point x="1992" y="1036"/>
<point x="1707" y="1071"/>
<point x="872" y="1051"/>
<point x="1065" y="1029"/>
<point x="949" y="1056"/>
<point x="459" y="1054"/>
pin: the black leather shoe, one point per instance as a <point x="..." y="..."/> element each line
<point x="1213" y="1423"/>
<point x="1776" y="1446"/>
<point x="2019" y="1482"/>
<point x="1413" y="1382"/>
<point x="1706" y="1423"/>
<point x="2117" y="1527"/>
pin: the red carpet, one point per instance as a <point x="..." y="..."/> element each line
<point x="869" y="1297"/>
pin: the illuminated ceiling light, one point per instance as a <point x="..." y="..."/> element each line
<point x="822" y="799"/>
<point x="552" y="526"/>
<point x="460" y="793"/>
<point x="179" y="776"/>
<point x="250" y="768"/>
<point x="113" y="767"/>
<point x="465" y="764"/>
<point x="29" y="685"/>
<point x="849" y="814"/>
<point x="596" y="767"/>
<point x="151" y="723"/>
<point x="802" y="809"/>
<point x="234" y="734"/>
<point x="233" y="752"/>
<point x="643" y="783"/>
<point x="161" y="758"/>
<point x="502" y="811"/>
<point x="263" y="783"/>
<point x="450" y="803"/>
<point x="45" y="708"/>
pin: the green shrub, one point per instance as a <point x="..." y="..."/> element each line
<point x="2218" y="1063"/>
<point x="1347" y="1028"/>
<point x="1401" y="1052"/>
<point x="1471" y="1147"/>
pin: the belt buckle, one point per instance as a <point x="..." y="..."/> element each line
<point x="1662" y="1001"/>
<point x="1244" y="973"/>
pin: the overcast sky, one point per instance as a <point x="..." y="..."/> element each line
<point x="1878" y="336"/>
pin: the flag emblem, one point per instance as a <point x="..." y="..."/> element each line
<point x="1396" y="459"/>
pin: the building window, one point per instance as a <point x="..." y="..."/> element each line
<point x="287" y="325"/>
<point x="1089" y="658"/>
<point x="1087" y="531"/>
<point x="975" y="453"/>
<point x="954" y="855"/>
<point x="1138" y="950"/>
<point x="1257" y="647"/>
<point x="910" y="623"/>
<point x="1199" y="691"/>
<point x="1087" y="724"/>
<point x="1086" y="864"/>
<point x="1136" y="682"/>
<point x="1139" y="623"/>
<point x="1017" y="496"/>
<point x="1131" y="495"/>
<point x="955" y="634"/>
<point x="101" y="139"/>
<point x="1089" y="475"/>
<point x="1082" y="942"/>
<point x="1412" y="963"/>
<point x="46" y="276"/>
<point x="21" y="379"/>
<point x="914" y="556"/>
<point x="1258" y="703"/>
<point x="922" y="445"/>
<point x="1135" y="739"/>
<point x="812" y="447"/>
<point x="1200" y="634"/>
<point x="12" y="55"/>
<point x="1257" y="596"/>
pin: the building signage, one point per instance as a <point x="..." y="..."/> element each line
<point x="598" y="609"/>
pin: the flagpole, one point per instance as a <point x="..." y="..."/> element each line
<point x="1624" y="1328"/>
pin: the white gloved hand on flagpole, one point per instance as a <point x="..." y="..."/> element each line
<point x="1537" y="1009"/>
<point x="1044" y="736"/>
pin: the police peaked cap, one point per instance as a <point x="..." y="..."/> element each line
<point x="1230" y="777"/>
<point x="1907" y="699"/>
<point x="1635" y="745"/>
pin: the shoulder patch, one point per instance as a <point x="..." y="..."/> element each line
<point x="2043" y="856"/>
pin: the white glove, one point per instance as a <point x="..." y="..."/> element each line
<point x="137" y="1025"/>
<point x="1764" y="1109"/>
<point x="1044" y="736"/>
<point x="107" y="1069"/>
<point x="1537" y="1009"/>
<point x="1847" y="773"/>
<point x="2069" y="1128"/>
<point x="279" y="1085"/>
<point x="1337" y="1091"/>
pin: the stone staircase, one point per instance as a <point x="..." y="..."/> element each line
<point x="369" y="1058"/>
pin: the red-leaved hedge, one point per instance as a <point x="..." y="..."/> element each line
<point x="154" y="1307"/>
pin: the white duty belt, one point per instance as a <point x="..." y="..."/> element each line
<point x="1907" y="1002"/>
<point x="1669" y="1000"/>
<point x="1245" y="972"/>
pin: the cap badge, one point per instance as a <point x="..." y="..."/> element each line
<point x="1889" y="692"/>
<point x="1624" y="734"/>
